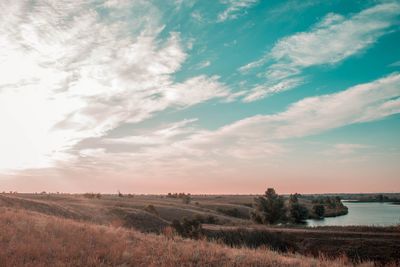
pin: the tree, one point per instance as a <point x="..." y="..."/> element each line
<point x="319" y="210"/>
<point x="186" y="199"/>
<point x="298" y="212"/>
<point x="270" y="208"/>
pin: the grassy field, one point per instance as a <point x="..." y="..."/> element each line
<point x="33" y="239"/>
<point x="83" y="230"/>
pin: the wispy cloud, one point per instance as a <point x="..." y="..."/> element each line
<point x="235" y="8"/>
<point x="332" y="40"/>
<point x="262" y="91"/>
<point x="310" y="116"/>
<point x="263" y="136"/>
<point x="203" y="64"/>
<point x="197" y="16"/>
<point x="71" y="71"/>
<point x="361" y="103"/>
<point x="395" y="64"/>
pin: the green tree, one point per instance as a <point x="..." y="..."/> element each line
<point x="270" y="208"/>
<point x="186" y="199"/>
<point x="319" y="210"/>
<point x="298" y="212"/>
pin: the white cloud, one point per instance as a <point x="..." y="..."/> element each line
<point x="195" y="90"/>
<point x="309" y="116"/>
<point x="197" y="16"/>
<point x="332" y="40"/>
<point x="182" y="148"/>
<point x="335" y="38"/>
<point x="162" y="136"/>
<point x="70" y="73"/>
<point x="262" y="91"/>
<point x="313" y="115"/>
<point x="235" y="8"/>
<point x="203" y="64"/>
<point x="361" y="103"/>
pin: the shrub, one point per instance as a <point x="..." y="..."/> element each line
<point x="252" y="239"/>
<point x="190" y="228"/>
<point x="151" y="209"/>
<point x="92" y="195"/>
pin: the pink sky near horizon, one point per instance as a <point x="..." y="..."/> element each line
<point x="252" y="181"/>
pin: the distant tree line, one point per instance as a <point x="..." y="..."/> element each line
<point x="331" y="202"/>
<point x="379" y="198"/>
<point x="92" y="195"/>
<point x="186" y="198"/>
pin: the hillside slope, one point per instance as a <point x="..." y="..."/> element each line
<point x="33" y="239"/>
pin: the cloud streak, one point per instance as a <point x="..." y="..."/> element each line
<point x="235" y="8"/>
<point x="332" y="40"/>
<point x="313" y="115"/>
<point x="263" y="137"/>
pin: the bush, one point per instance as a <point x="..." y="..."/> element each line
<point x="92" y="195"/>
<point x="252" y="238"/>
<point x="151" y="209"/>
<point x="190" y="228"/>
<point x="186" y="199"/>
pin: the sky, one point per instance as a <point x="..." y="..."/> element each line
<point x="199" y="96"/>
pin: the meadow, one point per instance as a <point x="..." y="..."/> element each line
<point x="134" y="230"/>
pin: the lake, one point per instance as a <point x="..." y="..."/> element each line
<point x="380" y="214"/>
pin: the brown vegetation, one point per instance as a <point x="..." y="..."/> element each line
<point x="31" y="239"/>
<point x="358" y="244"/>
<point x="218" y="218"/>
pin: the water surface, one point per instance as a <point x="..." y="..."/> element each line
<point x="380" y="214"/>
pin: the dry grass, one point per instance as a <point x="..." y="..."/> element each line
<point x="110" y="208"/>
<point x="32" y="239"/>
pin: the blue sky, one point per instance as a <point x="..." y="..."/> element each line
<point x="200" y="96"/>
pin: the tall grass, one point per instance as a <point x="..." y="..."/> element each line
<point x="32" y="239"/>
